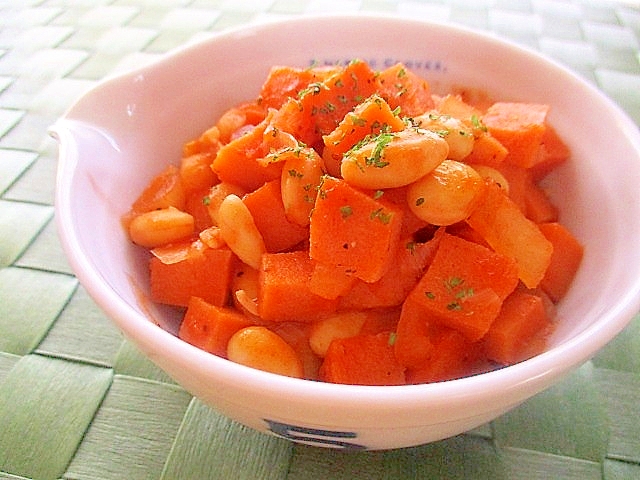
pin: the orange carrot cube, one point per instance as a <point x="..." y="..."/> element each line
<point x="197" y="271"/>
<point x="565" y="261"/>
<point x="511" y="337"/>
<point x="520" y="127"/>
<point x="237" y="161"/>
<point x="509" y="232"/>
<point x="452" y="356"/>
<point x="464" y="286"/>
<point x="284" y="293"/>
<point x="400" y="87"/>
<point x="210" y="327"/>
<point x="362" y="360"/>
<point x="267" y="209"/>
<point x="353" y="230"/>
<point x="409" y="264"/>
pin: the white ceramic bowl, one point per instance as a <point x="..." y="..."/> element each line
<point x="129" y="128"/>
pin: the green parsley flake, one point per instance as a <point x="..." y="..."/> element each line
<point x="381" y="141"/>
<point x="381" y="215"/>
<point x="312" y="89"/>
<point x="454" y="306"/>
<point x="477" y="123"/>
<point x="346" y="211"/>
<point x="453" y="282"/>
<point x="358" y="121"/>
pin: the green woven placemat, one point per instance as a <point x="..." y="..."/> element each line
<point x="79" y="402"/>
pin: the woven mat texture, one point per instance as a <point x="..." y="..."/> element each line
<point x="79" y="402"/>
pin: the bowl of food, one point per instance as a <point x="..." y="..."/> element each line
<point x="372" y="241"/>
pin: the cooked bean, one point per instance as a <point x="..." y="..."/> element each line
<point x="447" y="194"/>
<point x="260" y="348"/>
<point x="159" y="227"/>
<point x="301" y="175"/>
<point x="217" y="194"/>
<point x="339" y="325"/>
<point x="394" y="159"/>
<point x="458" y="136"/>
<point x="239" y="230"/>
<point x="489" y="172"/>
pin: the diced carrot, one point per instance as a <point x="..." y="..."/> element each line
<point x="554" y="153"/>
<point x="412" y="344"/>
<point x="321" y="106"/>
<point x="527" y="195"/>
<point x="539" y="207"/>
<point x="175" y="283"/>
<point x="283" y="289"/>
<point x="380" y="320"/>
<point x="330" y="281"/>
<point x="208" y="142"/>
<point x="411" y="223"/>
<point x="455" y="106"/>
<point x="464" y="286"/>
<point x="210" y="327"/>
<point x="267" y="209"/>
<point x="255" y="112"/>
<point x="196" y="206"/>
<point x="409" y="264"/>
<point x="565" y="261"/>
<point x="509" y="339"/>
<point x="452" y="356"/>
<point x="400" y="87"/>
<point x="487" y="150"/>
<point x="520" y="127"/>
<point x="517" y="178"/>
<point x="509" y="232"/>
<point x="165" y="190"/>
<point x="284" y="82"/>
<point x="196" y="173"/>
<point x="368" y="118"/>
<point x="353" y="230"/>
<point x="362" y="360"/>
<point x="237" y="162"/>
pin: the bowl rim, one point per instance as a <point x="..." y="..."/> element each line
<point x="531" y="372"/>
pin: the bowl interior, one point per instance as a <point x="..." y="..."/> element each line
<point x="127" y="130"/>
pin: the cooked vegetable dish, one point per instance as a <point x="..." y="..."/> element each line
<point x="351" y="226"/>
